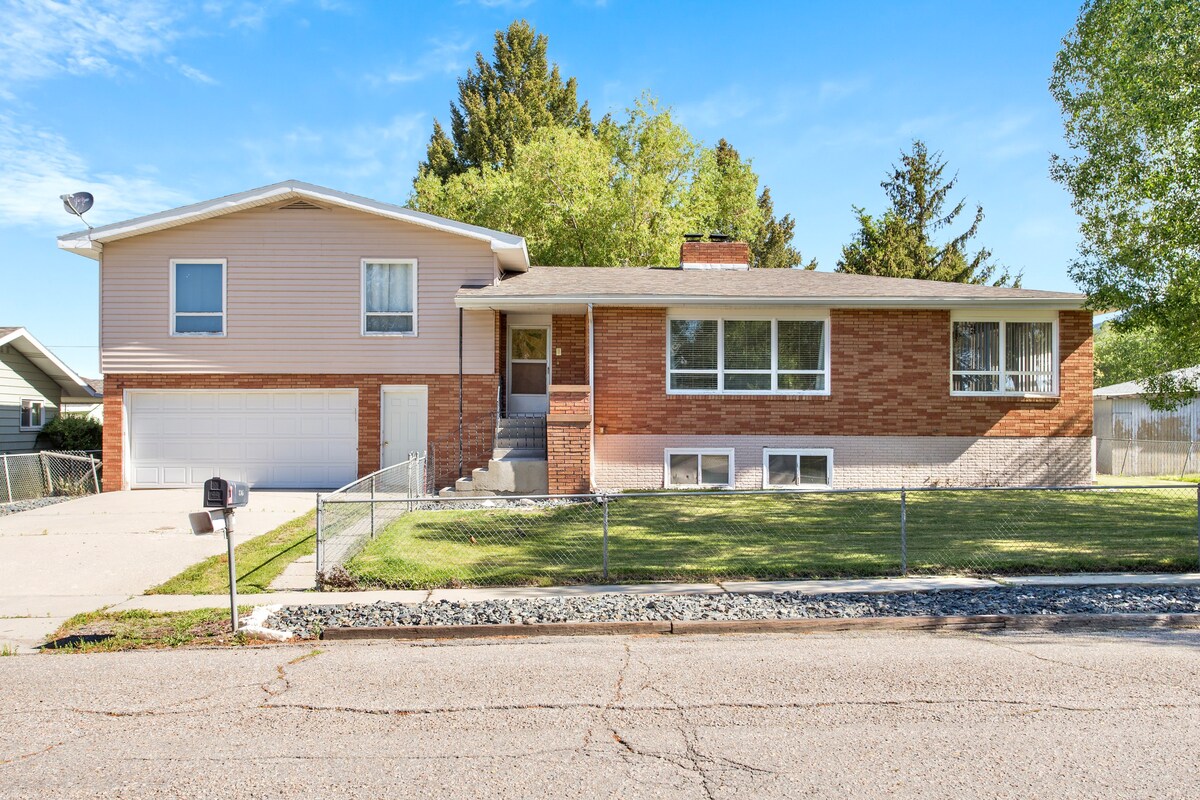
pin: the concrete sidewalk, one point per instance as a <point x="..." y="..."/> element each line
<point x="864" y="585"/>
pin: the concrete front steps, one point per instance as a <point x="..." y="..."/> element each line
<point x="517" y="466"/>
<point x="512" y="472"/>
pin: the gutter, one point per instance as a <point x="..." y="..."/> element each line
<point x="503" y="302"/>
<point x="591" y="344"/>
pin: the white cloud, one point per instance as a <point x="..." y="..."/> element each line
<point x="45" y="38"/>
<point x="441" y="57"/>
<point x="839" y="89"/>
<point x="730" y="103"/>
<point x="40" y="165"/>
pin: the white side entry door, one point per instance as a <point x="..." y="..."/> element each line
<point x="405" y="418"/>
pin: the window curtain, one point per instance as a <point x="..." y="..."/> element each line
<point x="389" y="288"/>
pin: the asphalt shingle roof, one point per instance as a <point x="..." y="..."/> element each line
<point x="581" y="283"/>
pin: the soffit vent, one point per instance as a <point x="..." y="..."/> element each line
<point x="300" y="205"/>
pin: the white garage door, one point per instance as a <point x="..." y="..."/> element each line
<point x="268" y="438"/>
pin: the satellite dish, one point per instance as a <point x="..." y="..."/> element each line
<point x="78" y="204"/>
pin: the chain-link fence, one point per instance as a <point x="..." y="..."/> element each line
<point x="350" y="517"/>
<point x="30" y="476"/>
<point x="1147" y="457"/>
<point x="426" y="542"/>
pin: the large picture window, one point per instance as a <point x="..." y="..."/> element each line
<point x="748" y="356"/>
<point x="1003" y="357"/>
<point x="389" y="297"/>
<point x="198" y="297"/>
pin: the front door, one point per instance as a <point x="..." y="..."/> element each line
<point x="405" y="416"/>
<point x="528" y="369"/>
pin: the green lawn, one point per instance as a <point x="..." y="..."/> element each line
<point x="259" y="561"/>
<point x="705" y="536"/>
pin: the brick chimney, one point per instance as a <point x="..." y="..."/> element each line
<point x="717" y="253"/>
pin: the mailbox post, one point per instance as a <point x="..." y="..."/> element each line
<point x="228" y="495"/>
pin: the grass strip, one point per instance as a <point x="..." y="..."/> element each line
<point x="259" y="561"/>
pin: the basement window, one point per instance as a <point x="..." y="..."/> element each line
<point x="698" y="469"/>
<point x="797" y="469"/>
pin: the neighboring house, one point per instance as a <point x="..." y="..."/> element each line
<point x="94" y="408"/>
<point x="34" y="386"/>
<point x="1134" y="439"/>
<point x="299" y="336"/>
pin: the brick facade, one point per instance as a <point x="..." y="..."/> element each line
<point x="890" y="376"/>
<point x="569" y="334"/>
<point x="569" y="440"/>
<point x="479" y="392"/>
<point x="636" y="462"/>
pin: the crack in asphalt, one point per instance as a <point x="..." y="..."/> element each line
<point x="1110" y="673"/>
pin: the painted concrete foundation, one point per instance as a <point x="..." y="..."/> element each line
<point x="636" y="462"/>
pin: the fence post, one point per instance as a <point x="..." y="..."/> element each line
<point x="1198" y="525"/>
<point x="95" y="476"/>
<point x="7" y="478"/>
<point x="604" y="506"/>
<point x="320" y="539"/>
<point x="903" y="532"/>
<point x="49" y="490"/>
<point x="372" y="506"/>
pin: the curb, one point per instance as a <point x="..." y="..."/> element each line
<point x="988" y="622"/>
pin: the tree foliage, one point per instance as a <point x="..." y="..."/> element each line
<point x="623" y="194"/>
<point x="901" y="243"/>
<point x="502" y="103"/>
<point x="1128" y="82"/>
<point x="522" y="155"/>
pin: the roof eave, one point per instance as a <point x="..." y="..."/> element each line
<point x="473" y="299"/>
<point x="59" y="372"/>
<point x="89" y="243"/>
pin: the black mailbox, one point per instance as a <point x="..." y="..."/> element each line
<point x="220" y="493"/>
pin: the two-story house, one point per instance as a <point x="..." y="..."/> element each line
<point x="296" y="336"/>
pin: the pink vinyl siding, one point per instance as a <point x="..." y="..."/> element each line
<point x="294" y="302"/>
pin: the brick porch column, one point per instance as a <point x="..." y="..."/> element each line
<point x="569" y="440"/>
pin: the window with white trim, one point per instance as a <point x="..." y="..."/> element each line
<point x="1004" y="357"/>
<point x="198" y="297"/>
<point x="389" y="297"/>
<point x="797" y="469"/>
<point x="698" y="468"/>
<point x="748" y="356"/>
<point x="33" y="414"/>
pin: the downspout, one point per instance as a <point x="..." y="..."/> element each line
<point x="460" y="392"/>
<point x="591" y="398"/>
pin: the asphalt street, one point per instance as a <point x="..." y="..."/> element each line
<point x="839" y="715"/>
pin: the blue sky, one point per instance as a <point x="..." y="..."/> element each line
<point x="150" y="104"/>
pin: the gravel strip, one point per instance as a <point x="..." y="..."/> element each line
<point x="311" y="620"/>
<point x="29" y="505"/>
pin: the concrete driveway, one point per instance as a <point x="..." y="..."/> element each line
<point x="83" y="554"/>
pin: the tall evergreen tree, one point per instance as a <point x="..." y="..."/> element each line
<point x="771" y="247"/>
<point x="501" y="103"/>
<point x="900" y="244"/>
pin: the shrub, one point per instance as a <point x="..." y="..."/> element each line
<point x="70" y="432"/>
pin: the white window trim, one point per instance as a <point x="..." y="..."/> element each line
<point x="775" y="319"/>
<point x="362" y="280"/>
<point x="793" y="451"/>
<point x="1004" y="317"/>
<point x="41" y="416"/>
<point x="700" y="452"/>
<point x="224" y="299"/>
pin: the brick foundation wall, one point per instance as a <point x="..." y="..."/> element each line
<point x="569" y="440"/>
<point x="890" y="376"/>
<point x="636" y="462"/>
<point x="479" y="393"/>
